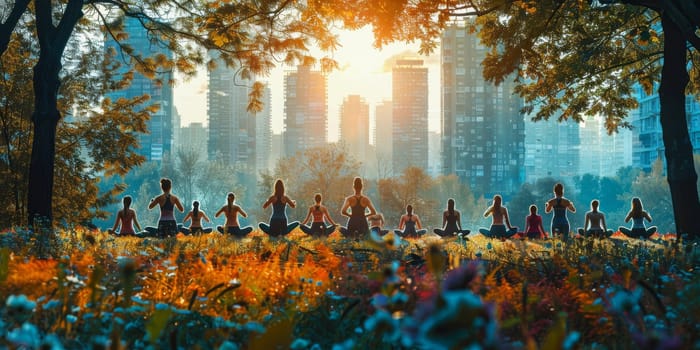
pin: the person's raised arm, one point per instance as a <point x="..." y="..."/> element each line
<point x="308" y="216"/>
<point x="154" y="202"/>
<point x="628" y="217"/>
<point x="179" y="205"/>
<point x="548" y="206"/>
<point x="571" y="206"/>
<point x="292" y="203"/>
<point x="243" y="213"/>
<point x="268" y="202"/>
<point x="488" y="211"/>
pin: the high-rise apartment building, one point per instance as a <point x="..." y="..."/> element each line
<point x="263" y="132"/>
<point x="158" y="142"/>
<point x="305" y="110"/>
<point x="647" y="144"/>
<point x="552" y="149"/>
<point x="602" y="154"/>
<point x="483" y="132"/>
<point x="383" y="134"/>
<point x="193" y="137"/>
<point x="409" y="115"/>
<point x="232" y="129"/>
<point x="354" y="126"/>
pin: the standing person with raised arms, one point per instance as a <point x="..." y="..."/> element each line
<point x="196" y="215"/>
<point x="127" y="218"/>
<point x="355" y="208"/>
<point x="231" y="211"/>
<point x="167" y="202"/>
<point x="560" y="223"/>
<point x="319" y="213"/>
<point x="278" y="221"/>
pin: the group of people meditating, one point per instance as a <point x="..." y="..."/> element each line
<point x="364" y="219"/>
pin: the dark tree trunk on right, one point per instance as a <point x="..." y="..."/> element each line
<point x="681" y="175"/>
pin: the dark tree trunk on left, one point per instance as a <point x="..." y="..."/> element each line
<point x="45" y="120"/>
<point x="52" y="42"/>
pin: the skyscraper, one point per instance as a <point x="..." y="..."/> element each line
<point x="602" y="154"/>
<point x="263" y="132"/>
<point x="647" y="144"/>
<point x="159" y="140"/>
<point x="305" y="110"/>
<point x="193" y="137"/>
<point x="482" y="130"/>
<point x="383" y="135"/>
<point x="354" y="126"/>
<point x="231" y="128"/>
<point x="409" y="115"/>
<point x="552" y="149"/>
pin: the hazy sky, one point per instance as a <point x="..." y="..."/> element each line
<point x="364" y="71"/>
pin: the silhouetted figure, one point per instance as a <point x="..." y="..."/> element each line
<point x="126" y="217"/>
<point x="500" y="219"/>
<point x="560" y="223"/>
<point x="533" y="225"/>
<point x="196" y="216"/>
<point x="638" y="214"/>
<point x="231" y="211"/>
<point x="451" y="222"/>
<point x="595" y="226"/>
<point x="278" y="221"/>
<point x="410" y="225"/>
<point x="320" y="214"/>
<point x="357" y="217"/>
<point x="167" y="202"/>
<point x="376" y="224"/>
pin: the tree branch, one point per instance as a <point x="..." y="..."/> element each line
<point x="6" y="28"/>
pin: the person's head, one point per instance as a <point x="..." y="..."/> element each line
<point x="497" y="201"/>
<point x="559" y="189"/>
<point x="127" y="202"/>
<point x="279" y="188"/>
<point x="166" y="185"/>
<point x="409" y="209"/>
<point x="230" y="197"/>
<point x="450" y="205"/>
<point x="357" y="184"/>
<point x="637" y="206"/>
<point x="317" y="198"/>
<point x="595" y="204"/>
<point x="195" y="208"/>
<point x="533" y="210"/>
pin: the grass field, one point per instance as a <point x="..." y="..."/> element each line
<point x="89" y="290"/>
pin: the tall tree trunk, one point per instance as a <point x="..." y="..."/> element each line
<point x="45" y="120"/>
<point x="682" y="178"/>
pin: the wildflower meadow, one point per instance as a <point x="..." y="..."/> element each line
<point x="82" y="289"/>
